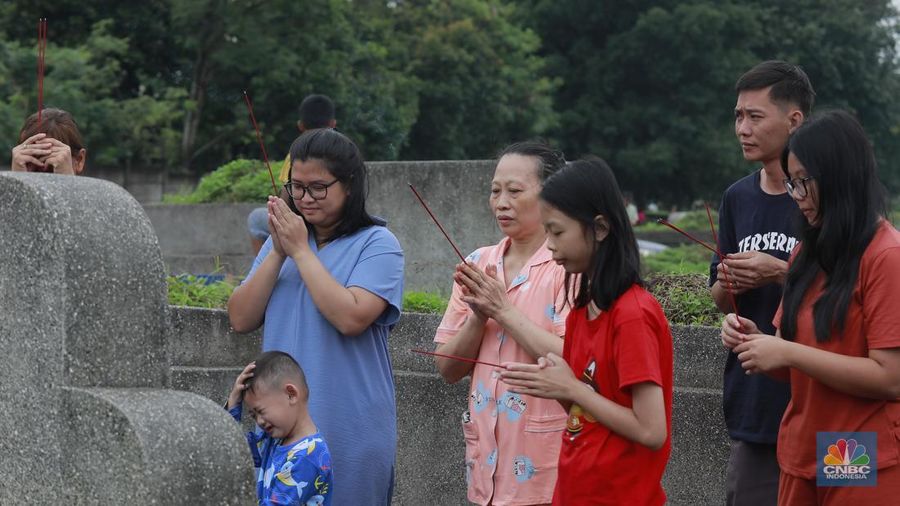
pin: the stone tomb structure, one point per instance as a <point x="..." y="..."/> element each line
<point x="83" y="356"/>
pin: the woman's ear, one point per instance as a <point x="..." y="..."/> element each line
<point x="78" y="160"/>
<point x="601" y="228"/>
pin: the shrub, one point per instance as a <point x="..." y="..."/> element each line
<point x="199" y="291"/>
<point x="237" y="181"/>
<point x="685" y="299"/>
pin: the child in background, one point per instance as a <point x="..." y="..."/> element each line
<point x="618" y="436"/>
<point x="291" y="457"/>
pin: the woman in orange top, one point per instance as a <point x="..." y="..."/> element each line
<point x="838" y="339"/>
<point x="507" y="307"/>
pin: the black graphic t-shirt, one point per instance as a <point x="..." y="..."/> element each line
<point x="753" y="220"/>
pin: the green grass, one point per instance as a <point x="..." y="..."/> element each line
<point x="189" y="290"/>
<point x="686" y="259"/>
<point x="193" y="291"/>
<point x="424" y="302"/>
<point x="684" y="296"/>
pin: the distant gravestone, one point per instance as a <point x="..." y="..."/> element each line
<point x="83" y="350"/>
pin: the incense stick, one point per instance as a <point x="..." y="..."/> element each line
<point x="662" y="221"/>
<point x="712" y="228"/>
<point x="710" y="248"/>
<point x="454" y="357"/>
<point x="262" y="145"/>
<point x="42" y="50"/>
<point x="436" y="222"/>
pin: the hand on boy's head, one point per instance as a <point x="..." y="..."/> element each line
<point x="240" y="385"/>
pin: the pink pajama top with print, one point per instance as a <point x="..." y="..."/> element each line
<point x="512" y="441"/>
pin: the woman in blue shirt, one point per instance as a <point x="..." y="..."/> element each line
<point x="328" y="284"/>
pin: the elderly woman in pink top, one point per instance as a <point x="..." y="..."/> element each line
<point x="507" y="306"/>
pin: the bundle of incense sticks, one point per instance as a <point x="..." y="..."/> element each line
<point x="42" y="49"/>
<point x="454" y="357"/>
<point x="262" y="145"/>
<point x="715" y="250"/>
<point x="436" y="222"/>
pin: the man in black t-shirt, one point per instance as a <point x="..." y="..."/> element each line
<point x="757" y="221"/>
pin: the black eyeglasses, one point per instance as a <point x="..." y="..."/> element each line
<point x="317" y="191"/>
<point x="797" y="187"/>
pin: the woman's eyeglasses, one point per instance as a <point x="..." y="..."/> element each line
<point x="797" y="187"/>
<point x="317" y="191"/>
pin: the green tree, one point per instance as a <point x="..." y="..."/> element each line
<point x="84" y="80"/>
<point x="649" y="85"/>
<point x="482" y="83"/>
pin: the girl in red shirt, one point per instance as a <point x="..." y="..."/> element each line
<point x="618" y="344"/>
<point x="838" y="338"/>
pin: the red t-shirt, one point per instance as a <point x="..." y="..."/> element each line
<point x="628" y="344"/>
<point x="873" y="322"/>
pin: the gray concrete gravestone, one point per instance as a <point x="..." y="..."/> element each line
<point x="83" y="351"/>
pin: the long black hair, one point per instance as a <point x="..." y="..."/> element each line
<point x="835" y="151"/>
<point x="582" y="190"/>
<point x="345" y="162"/>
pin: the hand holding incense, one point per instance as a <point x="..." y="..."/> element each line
<point x="712" y="228"/>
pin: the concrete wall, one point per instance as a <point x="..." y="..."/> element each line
<point x="145" y="185"/>
<point x="192" y="236"/>
<point x="206" y="356"/>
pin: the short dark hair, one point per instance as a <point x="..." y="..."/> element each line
<point x="316" y="111"/>
<point x="550" y="160"/>
<point x="790" y="84"/>
<point x="582" y="190"/>
<point x="345" y="162"/>
<point x="274" y="368"/>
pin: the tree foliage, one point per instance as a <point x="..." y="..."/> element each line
<point x="646" y="84"/>
<point x="650" y="85"/>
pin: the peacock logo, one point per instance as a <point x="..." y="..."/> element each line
<point x="846" y="459"/>
<point x="846" y="452"/>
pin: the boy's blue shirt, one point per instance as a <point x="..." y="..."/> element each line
<point x="297" y="474"/>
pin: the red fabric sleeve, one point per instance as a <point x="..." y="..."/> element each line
<point x="636" y="351"/>
<point x="881" y="306"/>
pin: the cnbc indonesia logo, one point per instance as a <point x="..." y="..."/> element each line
<point x="846" y="460"/>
